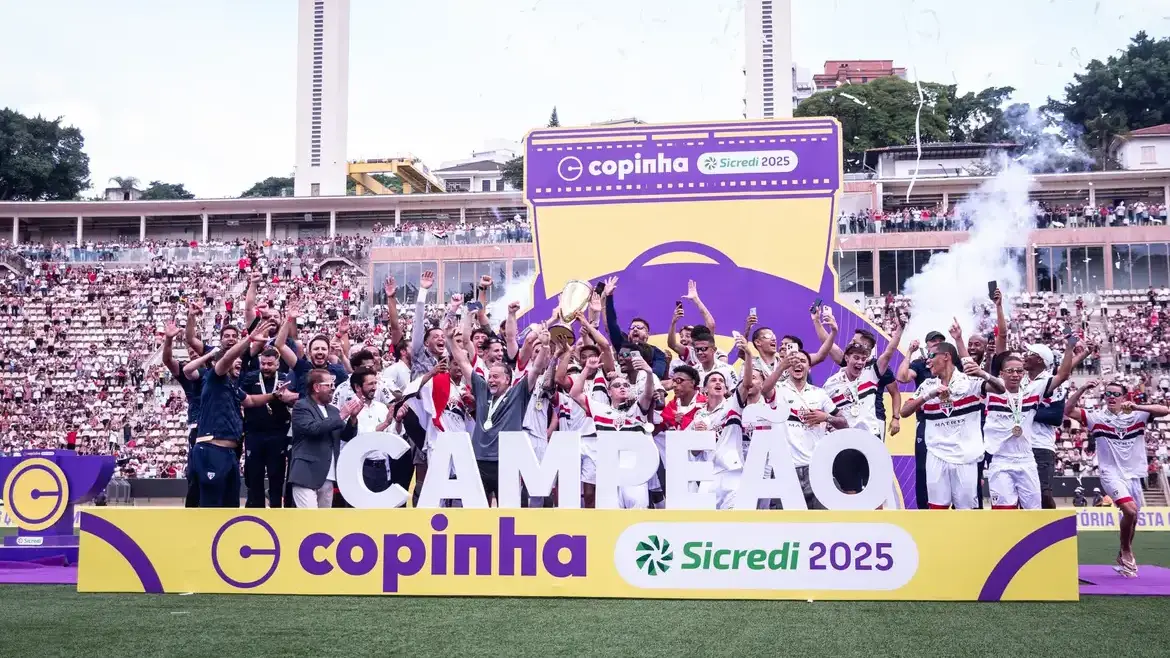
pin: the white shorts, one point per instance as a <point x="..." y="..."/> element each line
<point x="951" y="484"/>
<point x="1013" y="482"/>
<point x="588" y="470"/>
<point x="1122" y="489"/>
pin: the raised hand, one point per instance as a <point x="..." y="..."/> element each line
<point x="343" y="326"/>
<point x="253" y="278"/>
<point x="592" y="363"/>
<point x="513" y="308"/>
<point x="692" y="290"/>
<point x="956" y="331"/>
<point x="426" y="280"/>
<point x="485" y="282"/>
<point x="997" y="297"/>
<point x="610" y="285"/>
<point x="638" y="363"/>
<point x="679" y="312"/>
<point x="172" y="329"/>
<point x="914" y="345"/>
<point x="595" y="303"/>
<point x="391" y="286"/>
<point x="752" y="320"/>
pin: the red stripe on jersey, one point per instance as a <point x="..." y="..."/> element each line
<point x="1121" y="501"/>
<point x="866" y="386"/>
<point x="603" y="420"/>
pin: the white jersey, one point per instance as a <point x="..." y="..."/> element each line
<point x="730" y="376"/>
<point x="726" y="420"/>
<point x="537" y="416"/>
<point x="1040" y="435"/>
<point x="1121" y="441"/>
<point x="609" y="418"/>
<point x="803" y="439"/>
<point x="763" y="367"/>
<point x="952" y="424"/>
<point x="1006" y="416"/>
<point x="857" y="398"/>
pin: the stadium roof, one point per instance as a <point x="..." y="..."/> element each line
<point x="478" y="165"/>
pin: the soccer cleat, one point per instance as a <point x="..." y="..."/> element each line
<point x="1127" y="568"/>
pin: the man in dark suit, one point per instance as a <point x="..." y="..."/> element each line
<point x="318" y="429"/>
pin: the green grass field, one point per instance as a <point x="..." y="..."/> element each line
<point x="51" y="621"/>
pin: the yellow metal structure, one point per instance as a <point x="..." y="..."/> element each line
<point x="415" y="176"/>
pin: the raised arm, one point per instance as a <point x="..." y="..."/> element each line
<point x="911" y="406"/>
<point x="540" y="359"/>
<point x="458" y="353"/>
<point x="390" y="287"/>
<point x="745" y="380"/>
<point x="194" y="343"/>
<point x="693" y="295"/>
<point x="646" y="397"/>
<point x="420" y="311"/>
<point x="250" y="297"/>
<point x="191" y="370"/>
<point x="957" y="336"/>
<point x="883" y="360"/>
<point x="1000" y="324"/>
<point x="672" y="333"/>
<point x="993" y="384"/>
<point x="168" y="357"/>
<point x="235" y="351"/>
<point x="511" y="333"/>
<point x="1073" y="403"/>
<point x="482" y="294"/>
<point x="1155" y="410"/>
<point x="607" y="354"/>
<point x="905" y="375"/>
<point x="290" y="321"/>
<point x="588" y="372"/>
<point x="829" y="343"/>
<point x="343" y="337"/>
<point x="616" y="337"/>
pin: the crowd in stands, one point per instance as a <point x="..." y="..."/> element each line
<point x="913" y="220"/>
<point x="413" y="234"/>
<point x="281" y="254"/>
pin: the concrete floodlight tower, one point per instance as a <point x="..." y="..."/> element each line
<point x="322" y="97"/>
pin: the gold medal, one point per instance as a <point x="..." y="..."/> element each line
<point x="854" y="411"/>
<point x="1017" y="430"/>
<point x="539" y="405"/>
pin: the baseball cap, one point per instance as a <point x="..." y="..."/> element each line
<point x="935" y="335"/>
<point x="1042" y="351"/>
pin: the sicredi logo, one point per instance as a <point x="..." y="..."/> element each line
<point x="762" y="556"/>
<point x="570" y="167"/>
<point x="747" y="162"/>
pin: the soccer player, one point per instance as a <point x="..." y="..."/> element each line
<point x="951" y="402"/>
<point x="810" y="411"/>
<point x="1120" y="434"/>
<point x="1041" y="389"/>
<point x="854" y="390"/>
<point x="917" y="372"/>
<point x="1012" y="476"/>
<point x="722" y="413"/>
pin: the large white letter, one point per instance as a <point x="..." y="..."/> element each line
<point x="681" y="471"/>
<point x="769" y="447"/>
<point x="352" y="483"/>
<point x="624" y="459"/>
<point x="561" y="465"/>
<point x="452" y="452"/>
<point x="881" y="470"/>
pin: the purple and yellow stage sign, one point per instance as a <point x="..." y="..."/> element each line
<point x="745" y="209"/>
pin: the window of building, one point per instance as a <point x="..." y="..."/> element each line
<point x="315" y="189"/>
<point x="854" y="271"/>
<point x="463" y="276"/>
<point x="406" y="274"/>
<point x="486" y="185"/>
<point x="1148" y="155"/>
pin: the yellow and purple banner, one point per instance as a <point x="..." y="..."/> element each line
<point x="881" y="555"/>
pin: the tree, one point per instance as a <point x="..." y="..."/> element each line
<point x="387" y="180"/>
<point x="40" y="159"/>
<point x="160" y="191"/>
<point x="1126" y="92"/>
<point x="513" y="172"/>
<point x="882" y="113"/>
<point x="978" y="116"/>
<point x="271" y="186"/>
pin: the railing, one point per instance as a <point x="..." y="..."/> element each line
<point x="412" y="238"/>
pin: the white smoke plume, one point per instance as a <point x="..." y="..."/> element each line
<point x="953" y="284"/>
<point x="519" y="290"/>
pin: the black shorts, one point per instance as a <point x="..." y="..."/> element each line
<point x="489" y="472"/>
<point x="851" y="470"/>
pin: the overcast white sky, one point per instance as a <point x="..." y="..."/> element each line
<point x="201" y="93"/>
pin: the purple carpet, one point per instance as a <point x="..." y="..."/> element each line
<point x="38" y="572"/>
<point x="1101" y="579"/>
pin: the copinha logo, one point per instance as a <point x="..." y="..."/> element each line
<point x="654" y="555"/>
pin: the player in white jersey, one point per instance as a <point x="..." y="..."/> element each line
<point x="1012" y="475"/>
<point x="951" y="403"/>
<point x="722" y="413"/>
<point x="1120" y="434"/>
<point x="623" y="412"/>
<point x="810" y="412"/>
<point x="764" y="411"/>
<point x="854" y="390"/>
<point x="1040" y="427"/>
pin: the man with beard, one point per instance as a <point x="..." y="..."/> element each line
<point x="215" y="456"/>
<point x="374" y="416"/>
<point x="764" y="412"/>
<point x="722" y="413"/>
<point x="499" y="405"/>
<point x="639" y="331"/>
<point x="318" y="429"/>
<point x="266" y="429"/>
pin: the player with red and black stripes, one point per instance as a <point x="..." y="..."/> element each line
<point x="1119" y="432"/>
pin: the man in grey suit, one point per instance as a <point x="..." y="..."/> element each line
<point x="318" y="429"/>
